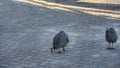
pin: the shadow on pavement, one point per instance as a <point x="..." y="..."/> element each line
<point x="107" y="6"/>
<point x="99" y="5"/>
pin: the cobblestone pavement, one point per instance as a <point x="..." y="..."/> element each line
<point x="26" y="33"/>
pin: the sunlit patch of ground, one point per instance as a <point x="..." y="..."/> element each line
<point x="95" y="27"/>
<point x="101" y="1"/>
<point x="70" y="8"/>
<point x="71" y="24"/>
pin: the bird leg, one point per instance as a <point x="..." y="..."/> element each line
<point x="63" y="49"/>
<point x="109" y="47"/>
<point x="59" y="51"/>
<point x="112" y="46"/>
<point x="52" y="50"/>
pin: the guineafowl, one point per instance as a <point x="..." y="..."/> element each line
<point x="111" y="37"/>
<point x="60" y="41"/>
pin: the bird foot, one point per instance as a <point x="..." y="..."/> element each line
<point x="110" y="48"/>
<point x="59" y="52"/>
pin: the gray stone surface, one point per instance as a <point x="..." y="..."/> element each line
<point x="26" y="33"/>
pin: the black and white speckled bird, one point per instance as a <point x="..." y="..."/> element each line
<point x="111" y="37"/>
<point x="60" y="41"/>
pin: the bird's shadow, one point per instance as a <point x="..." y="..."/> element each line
<point x="111" y="48"/>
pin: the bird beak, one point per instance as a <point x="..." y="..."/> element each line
<point x="51" y="50"/>
<point x="106" y="28"/>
